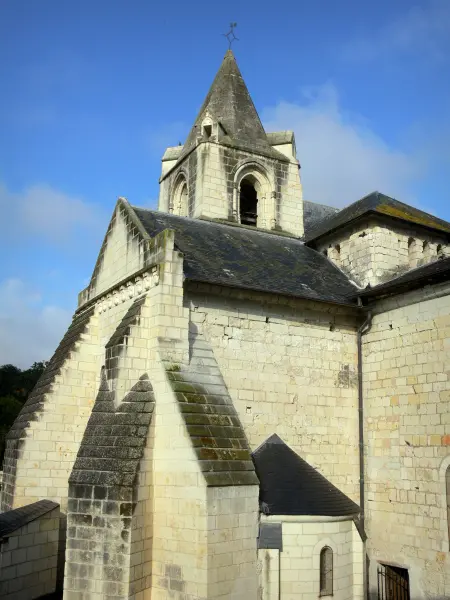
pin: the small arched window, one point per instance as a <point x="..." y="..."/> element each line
<point x="447" y="489"/>
<point x="326" y="571"/>
<point x="440" y="251"/>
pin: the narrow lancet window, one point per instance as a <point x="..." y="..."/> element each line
<point x="326" y="571"/>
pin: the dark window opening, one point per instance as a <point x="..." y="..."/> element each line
<point x="393" y="583"/>
<point x="207" y="130"/>
<point x="326" y="571"/>
<point x="248" y="204"/>
<point x="447" y="490"/>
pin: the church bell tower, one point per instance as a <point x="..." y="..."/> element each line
<point x="229" y="168"/>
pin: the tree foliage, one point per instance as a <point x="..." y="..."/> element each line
<point x="15" y="387"/>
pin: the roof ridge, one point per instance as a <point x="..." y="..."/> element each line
<point x="252" y="230"/>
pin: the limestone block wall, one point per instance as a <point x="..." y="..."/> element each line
<point x="103" y="495"/>
<point x="407" y="395"/>
<point x="373" y="252"/>
<point x="232" y="532"/>
<point x="290" y="368"/>
<point x="29" y="558"/>
<point x="125" y="259"/>
<point x="43" y="442"/>
<point x="298" y="563"/>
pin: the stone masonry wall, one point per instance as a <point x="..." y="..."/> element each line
<point x="373" y="252"/>
<point x="290" y="368"/>
<point x="300" y="560"/>
<point x="407" y="421"/>
<point x="29" y="559"/>
<point x="103" y="495"/>
<point x="44" y="440"/>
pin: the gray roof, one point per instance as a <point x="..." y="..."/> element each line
<point x="314" y="214"/>
<point x="172" y="153"/>
<point x="280" y="137"/>
<point x="229" y="101"/>
<point x="12" y="520"/>
<point x="378" y="204"/>
<point x="244" y="257"/>
<point x="288" y="485"/>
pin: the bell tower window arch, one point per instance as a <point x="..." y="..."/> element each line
<point x="253" y="200"/>
<point x="180" y="196"/>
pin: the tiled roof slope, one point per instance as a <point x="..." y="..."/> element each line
<point x="115" y="436"/>
<point x="212" y="422"/>
<point x="229" y="101"/>
<point x="12" y="520"/>
<point x="243" y="257"/>
<point x="379" y="204"/>
<point x="314" y="214"/>
<point x="290" y="486"/>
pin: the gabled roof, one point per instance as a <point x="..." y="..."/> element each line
<point x="290" y="486"/>
<point x="379" y="204"/>
<point x="244" y="257"/>
<point x="229" y="101"/>
<point x="12" y="520"/>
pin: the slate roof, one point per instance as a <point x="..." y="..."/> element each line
<point x="280" y="137"/>
<point x="314" y="214"/>
<point x="377" y="203"/>
<point x="434" y="272"/>
<point x="12" y="520"/>
<point x="244" y="257"/>
<point x="172" y="153"/>
<point x="229" y="101"/>
<point x="211" y="419"/>
<point x="290" y="486"/>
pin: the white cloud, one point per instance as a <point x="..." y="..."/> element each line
<point x="41" y="210"/>
<point x="29" y="330"/>
<point x="342" y="158"/>
<point x="423" y="31"/>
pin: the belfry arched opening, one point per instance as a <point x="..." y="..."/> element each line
<point x="248" y="202"/>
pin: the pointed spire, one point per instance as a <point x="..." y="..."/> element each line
<point x="228" y="101"/>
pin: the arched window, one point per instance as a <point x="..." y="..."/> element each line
<point x="179" y="202"/>
<point x="440" y="251"/>
<point x="248" y="202"/>
<point x="326" y="571"/>
<point x="447" y="489"/>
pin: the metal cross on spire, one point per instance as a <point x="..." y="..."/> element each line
<point x="231" y="37"/>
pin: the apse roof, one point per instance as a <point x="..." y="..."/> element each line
<point x="288" y="485"/>
<point x="244" y="257"/>
<point x="379" y="204"/>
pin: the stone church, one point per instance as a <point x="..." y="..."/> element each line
<point x="252" y="399"/>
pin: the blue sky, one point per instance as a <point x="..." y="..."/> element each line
<point x="92" y="92"/>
